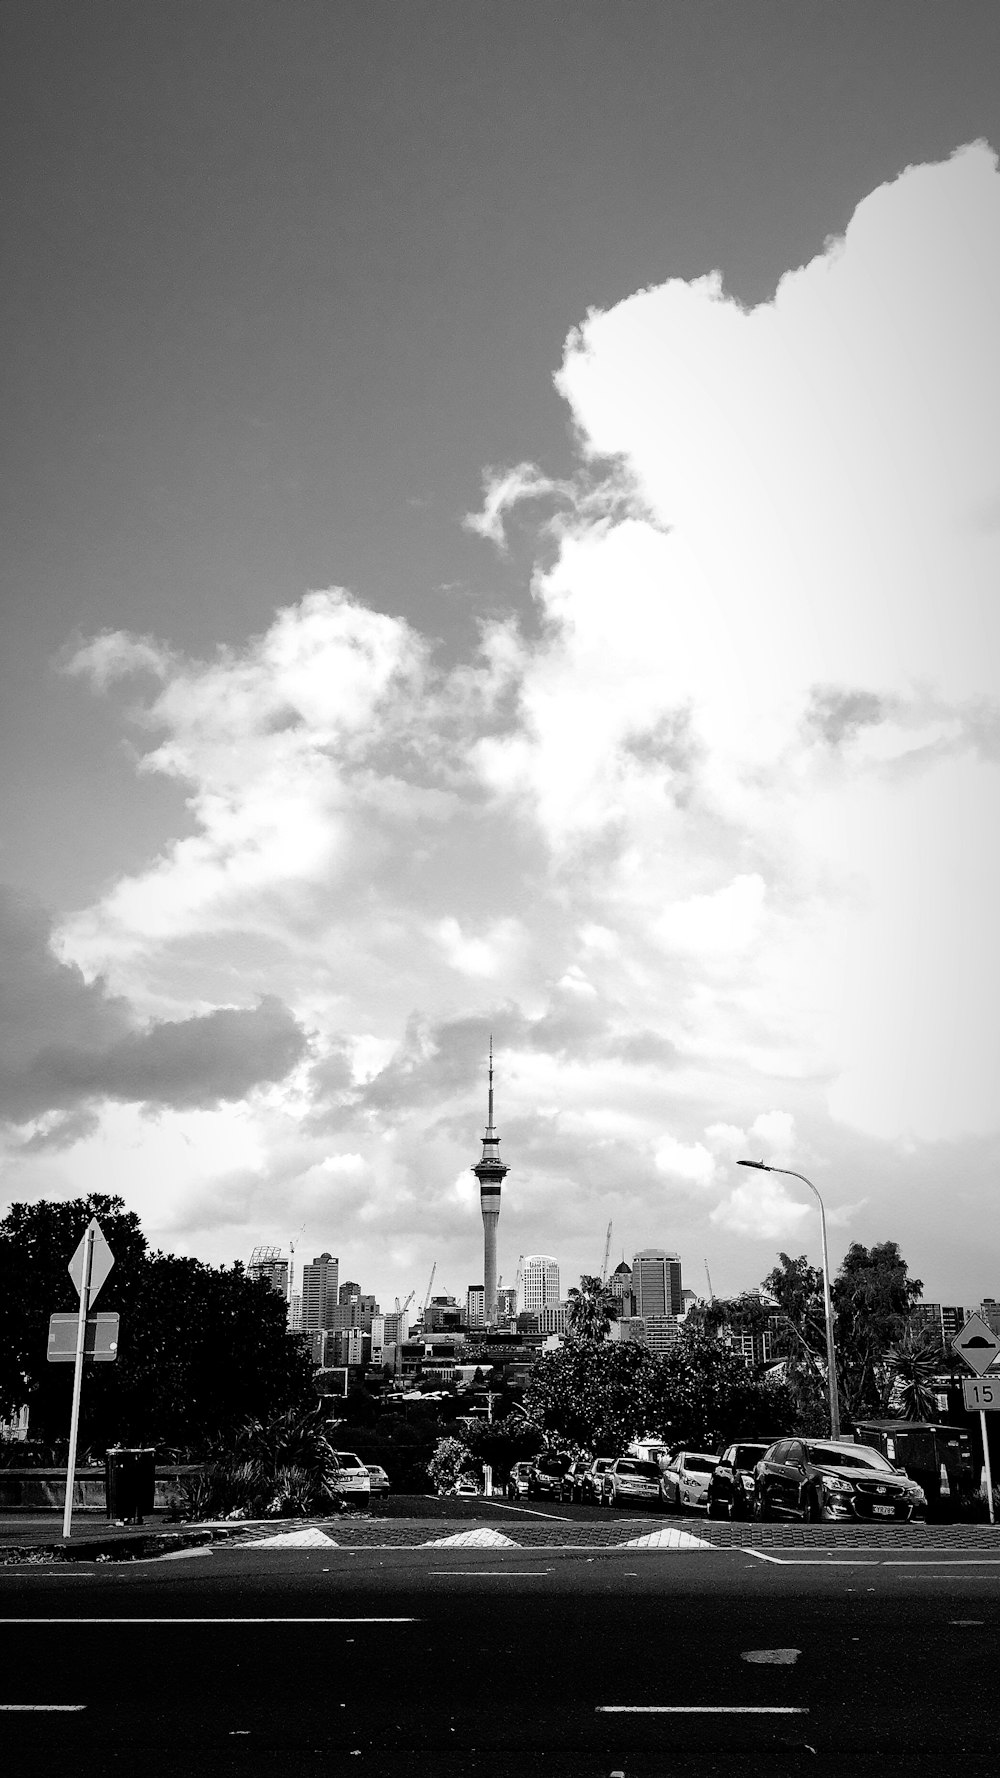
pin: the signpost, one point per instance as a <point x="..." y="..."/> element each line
<point x="88" y="1269"/>
<point x="979" y="1346"/>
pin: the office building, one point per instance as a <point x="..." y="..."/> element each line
<point x="475" y="1305"/>
<point x="506" y="1306"/>
<point x="269" y="1264"/>
<point x="539" y="1283"/>
<point x="656" y="1282"/>
<point x="319" y="1291"/>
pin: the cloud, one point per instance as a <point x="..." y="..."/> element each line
<point x="718" y="835"/>
<point x="67" y="1044"/>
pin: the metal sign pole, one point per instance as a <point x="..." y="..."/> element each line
<point x="74" y="1419"/>
<point x="986" y="1461"/>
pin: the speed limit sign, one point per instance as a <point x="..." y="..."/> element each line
<point x="981" y="1395"/>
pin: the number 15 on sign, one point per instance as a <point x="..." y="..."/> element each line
<point x="981" y="1395"/>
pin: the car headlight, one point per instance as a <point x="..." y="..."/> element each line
<point x="919" y="1497"/>
<point x="836" y="1484"/>
<point x="748" y="1483"/>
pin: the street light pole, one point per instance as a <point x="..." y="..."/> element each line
<point x="831" y="1356"/>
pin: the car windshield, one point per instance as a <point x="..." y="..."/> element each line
<point x="347" y="1460"/>
<point x="747" y="1455"/>
<point x="699" y="1465"/>
<point x="633" y="1467"/>
<point x="841" y="1457"/>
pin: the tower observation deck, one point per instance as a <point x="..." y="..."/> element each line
<point x="490" y="1172"/>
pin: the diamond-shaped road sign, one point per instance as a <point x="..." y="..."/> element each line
<point x="977" y="1344"/>
<point x="100" y="1340"/>
<point x="101" y="1262"/>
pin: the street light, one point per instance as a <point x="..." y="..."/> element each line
<point x="831" y="1356"/>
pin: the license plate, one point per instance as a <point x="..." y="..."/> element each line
<point x="885" y="1512"/>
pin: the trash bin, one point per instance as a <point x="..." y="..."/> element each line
<point x="130" y="1483"/>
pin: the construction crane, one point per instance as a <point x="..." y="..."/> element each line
<point x="517" y="1281"/>
<point x="430" y="1285"/>
<point x="604" y="1262"/>
<point x="708" y="1275"/>
<point x="293" y="1243"/>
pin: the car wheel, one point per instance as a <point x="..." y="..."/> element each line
<point x="762" y="1506"/>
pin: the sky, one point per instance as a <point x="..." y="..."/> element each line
<point x="501" y="516"/>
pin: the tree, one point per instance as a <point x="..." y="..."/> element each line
<point x="598" y="1396"/>
<point x="593" y="1307"/>
<point x="502" y="1443"/>
<point x="450" y="1460"/>
<point x="796" y="1289"/>
<point x="872" y="1298"/>
<point x="706" y="1393"/>
<point x="201" y="1349"/>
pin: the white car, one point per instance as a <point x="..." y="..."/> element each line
<point x="466" y="1487"/>
<point x="378" y="1479"/>
<point x="352" y="1475"/>
<point x="684" y="1482"/>
<point x="631" y="1481"/>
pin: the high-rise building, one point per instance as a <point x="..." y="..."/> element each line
<point x="490" y="1172"/>
<point x="620" y="1286"/>
<point x="270" y="1264"/>
<point x="475" y="1305"/>
<point x="539" y="1283"/>
<point x="506" y="1305"/>
<point x="348" y="1292"/>
<point x="319" y="1291"/>
<point x="656" y="1282"/>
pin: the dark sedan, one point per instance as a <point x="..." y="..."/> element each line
<point x="821" y="1479"/>
<point x="731" y="1489"/>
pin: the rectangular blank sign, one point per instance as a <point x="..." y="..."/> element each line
<point x="100" y="1340"/>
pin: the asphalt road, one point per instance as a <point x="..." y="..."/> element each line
<point x="482" y="1663"/>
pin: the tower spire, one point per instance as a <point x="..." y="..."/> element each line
<point x="490" y="1172"/>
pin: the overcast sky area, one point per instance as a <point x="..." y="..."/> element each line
<point x="501" y="535"/>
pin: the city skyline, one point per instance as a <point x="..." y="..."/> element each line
<point x="501" y="536"/>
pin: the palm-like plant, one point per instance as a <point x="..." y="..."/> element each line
<point x="911" y="1366"/>
<point x="592" y="1309"/>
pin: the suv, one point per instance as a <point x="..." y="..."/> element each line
<point x="806" y="1478"/>
<point x="572" y="1482"/>
<point x="631" y="1480"/>
<point x="684" y="1482"/>
<point x="546" y="1476"/>
<point x="731" y="1485"/>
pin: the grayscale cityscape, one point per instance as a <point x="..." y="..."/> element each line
<point x="499" y="870"/>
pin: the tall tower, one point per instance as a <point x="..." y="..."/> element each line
<point x="490" y="1173"/>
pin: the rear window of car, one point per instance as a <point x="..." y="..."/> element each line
<point x="699" y="1465"/>
<point x="747" y="1455"/>
<point x="347" y="1460"/>
<point x="635" y="1466"/>
<point x="856" y="1457"/>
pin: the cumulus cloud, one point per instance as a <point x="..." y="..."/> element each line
<point x="718" y="837"/>
<point x="66" y="1044"/>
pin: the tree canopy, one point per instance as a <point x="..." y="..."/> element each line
<point x="202" y="1349"/>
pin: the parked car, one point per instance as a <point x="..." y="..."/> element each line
<point x="591" y="1484"/>
<point x="572" y="1482"/>
<point x="631" y="1481"/>
<point x="684" y="1482"/>
<point x="731" y="1486"/>
<point x="546" y="1477"/>
<point x="825" y="1479"/>
<point x="378" y="1481"/>
<point x="466" y="1488"/>
<point x="353" y="1479"/>
<point x="518" y="1480"/>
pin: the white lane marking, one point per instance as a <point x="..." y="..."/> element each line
<point x="955" y="1562"/>
<point x="535" y="1512"/>
<point x="811" y="1562"/>
<point x="489" y="1573"/>
<point x="668" y="1538"/>
<point x="701" y="1710"/>
<point x="483" y="1539"/>
<point x="963" y="1623"/>
<point x="178" y="1555"/>
<point x="310" y="1538"/>
<point x="771" y="1657"/>
<point x="231" y="1621"/>
<point x="12" y="1707"/>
